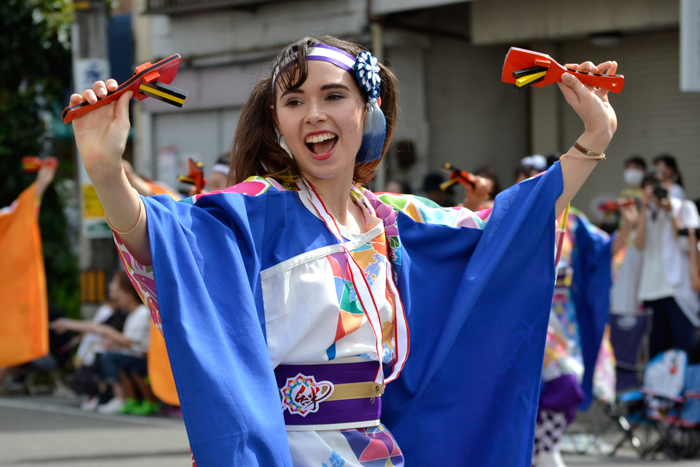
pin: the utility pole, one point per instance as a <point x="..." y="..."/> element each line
<point x="98" y="256"/>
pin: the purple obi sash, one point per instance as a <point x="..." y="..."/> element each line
<point x="329" y="396"/>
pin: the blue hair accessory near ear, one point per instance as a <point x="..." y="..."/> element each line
<point x="367" y="74"/>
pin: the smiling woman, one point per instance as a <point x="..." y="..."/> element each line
<point x="263" y="155"/>
<point x="297" y="287"/>
<point x="321" y="122"/>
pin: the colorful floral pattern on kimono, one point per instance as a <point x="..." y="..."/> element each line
<point x="562" y="353"/>
<point x="372" y="258"/>
<point x="374" y="446"/>
<point x="604" y="376"/>
<point x="142" y="279"/>
<point x="425" y="211"/>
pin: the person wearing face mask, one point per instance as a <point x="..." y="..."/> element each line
<point x="627" y="320"/>
<point x="635" y="168"/>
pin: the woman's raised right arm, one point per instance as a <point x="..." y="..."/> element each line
<point x="101" y="138"/>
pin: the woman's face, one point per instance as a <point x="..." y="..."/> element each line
<point x="663" y="170"/>
<point x="322" y="122"/>
<point x="116" y="294"/>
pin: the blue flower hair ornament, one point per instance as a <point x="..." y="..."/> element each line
<point x="374" y="134"/>
<point x="367" y="73"/>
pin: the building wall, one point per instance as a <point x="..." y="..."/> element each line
<point x="201" y="135"/>
<point x="475" y="119"/>
<point x="406" y="55"/>
<point x="382" y="7"/>
<point x="453" y="104"/>
<point x="225" y="32"/>
<point x="224" y="52"/>
<point x="653" y="115"/>
<point x="513" y="21"/>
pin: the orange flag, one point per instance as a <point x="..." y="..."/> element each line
<point x="159" y="371"/>
<point x="158" y="189"/>
<point x="24" y="332"/>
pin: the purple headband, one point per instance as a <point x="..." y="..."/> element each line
<point x="323" y="52"/>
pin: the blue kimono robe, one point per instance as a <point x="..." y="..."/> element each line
<point x="477" y="303"/>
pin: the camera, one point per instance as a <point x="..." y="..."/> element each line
<point x="660" y="191"/>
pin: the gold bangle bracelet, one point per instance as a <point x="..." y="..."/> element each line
<point x="589" y="153"/>
<point x="600" y="157"/>
<point x="138" y="221"/>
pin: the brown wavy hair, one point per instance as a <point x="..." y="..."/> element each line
<point x="256" y="148"/>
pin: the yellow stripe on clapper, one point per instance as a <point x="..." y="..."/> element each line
<point x="165" y="93"/>
<point x="525" y="80"/>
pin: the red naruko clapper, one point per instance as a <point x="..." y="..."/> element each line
<point x="33" y="164"/>
<point x="528" y="68"/>
<point x="148" y="80"/>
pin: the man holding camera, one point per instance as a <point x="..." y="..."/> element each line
<point x="665" y="285"/>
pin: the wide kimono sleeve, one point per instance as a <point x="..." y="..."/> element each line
<point x="205" y="269"/>
<point x="478" y="304"/>
<point x="590" y="292"/>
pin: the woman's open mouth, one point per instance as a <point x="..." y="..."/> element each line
<point x="321" y="145"/>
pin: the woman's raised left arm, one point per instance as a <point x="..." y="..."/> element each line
<point x="600" y="124"/>
<point x="45" y="176"/>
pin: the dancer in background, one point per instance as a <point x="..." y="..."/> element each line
<point x="24" y="319"/>
<point x="579" y="364"/>
<point x="148" y="187"/>
<point x="488" y="172"/>
<point x="218" y="176"/>
<point x="574" y="371"/>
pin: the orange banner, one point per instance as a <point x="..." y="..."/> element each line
<point x="24" y="332"/>
<point x="159" y="372"/>
<point x="162" y="190"/>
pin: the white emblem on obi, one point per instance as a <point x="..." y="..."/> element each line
<point x="302" y="394"/>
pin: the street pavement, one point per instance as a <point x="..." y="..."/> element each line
<point x="53" y="431"/>
<point x="48" y="431"/>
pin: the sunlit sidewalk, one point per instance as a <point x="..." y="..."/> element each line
<point x="52" y="430"/>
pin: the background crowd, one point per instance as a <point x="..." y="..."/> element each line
<point x="654" y="302"/>
<point x="107" y="360"/>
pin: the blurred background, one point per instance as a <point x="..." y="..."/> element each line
<point x="447" y="55"/>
